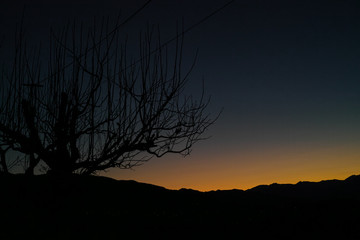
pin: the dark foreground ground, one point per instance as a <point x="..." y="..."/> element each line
<point x="48" y="207"/>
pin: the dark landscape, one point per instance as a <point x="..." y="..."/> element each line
<point x="89" y="88"/>
<point x="79" y="207"/>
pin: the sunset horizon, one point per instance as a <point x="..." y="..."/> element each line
<point x="284" y="76"/>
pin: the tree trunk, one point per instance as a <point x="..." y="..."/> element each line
<point x="33" y="162"/>
<point x="3" y="161"/>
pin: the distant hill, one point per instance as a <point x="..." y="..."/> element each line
<point x="77" y="207"/>
<point x="324" y="189"/>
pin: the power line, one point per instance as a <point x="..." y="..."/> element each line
<point x="177" y="36"/>
<point x="107" y="35"/>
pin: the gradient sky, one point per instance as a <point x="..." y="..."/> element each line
<point x="285" y="72"/>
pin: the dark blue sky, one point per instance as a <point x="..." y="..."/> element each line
<point x="285" y="72"/>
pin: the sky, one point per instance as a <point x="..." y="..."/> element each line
<point x="284" y="73"/>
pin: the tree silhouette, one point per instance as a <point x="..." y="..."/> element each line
<point x="88" y="106"/>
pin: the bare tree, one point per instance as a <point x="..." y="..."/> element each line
<point x="87" y="106"/>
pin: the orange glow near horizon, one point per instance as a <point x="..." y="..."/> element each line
<point x="247" y="169"/>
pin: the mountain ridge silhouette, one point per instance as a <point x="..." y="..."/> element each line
<point x="50" y="207"/>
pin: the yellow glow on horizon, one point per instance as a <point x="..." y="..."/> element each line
<point x="248" y="169"/>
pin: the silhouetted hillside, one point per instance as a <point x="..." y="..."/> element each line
<point x="329" y="188"/>
<point x="49" y="207"/>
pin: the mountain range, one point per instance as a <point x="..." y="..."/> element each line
<point x="93" y="207"/>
